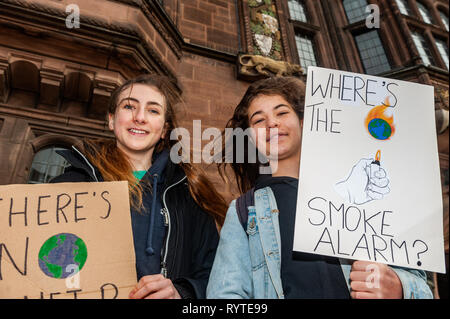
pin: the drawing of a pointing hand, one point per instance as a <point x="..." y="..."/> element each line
<point x="367" y="181"/>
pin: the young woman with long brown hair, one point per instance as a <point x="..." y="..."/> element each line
<point x="174" y="208"/>
<point x="255" y="257"/>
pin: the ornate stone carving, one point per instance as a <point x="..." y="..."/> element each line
<point x="442" y="120"/>
<point x="264" y="28"/>
<point x="442" y="117"/>
<point x="264" y="43"/>
<point x="256" y="65"/>
<point x="270" y="22"/>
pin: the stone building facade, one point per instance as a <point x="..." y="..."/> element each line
<point x="61" y="59"/>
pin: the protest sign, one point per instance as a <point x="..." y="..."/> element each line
<point x="66" y="240"/>
<point x="369" y="183"/>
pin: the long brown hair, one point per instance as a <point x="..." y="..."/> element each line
<point x="292" y="90"/>
<point x="114" y="165"/>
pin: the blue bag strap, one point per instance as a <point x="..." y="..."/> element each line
<point x="242" y="203"/>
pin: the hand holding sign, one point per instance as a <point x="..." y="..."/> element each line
<point x="374" y="281"/>
<point x="154" y="287"/>
<point x="367" y="181"/>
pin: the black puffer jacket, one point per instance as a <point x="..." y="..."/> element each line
<point x="191" y="239"/>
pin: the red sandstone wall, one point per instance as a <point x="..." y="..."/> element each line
<point x="210" y="23"/>
<point x="211" y="92"/>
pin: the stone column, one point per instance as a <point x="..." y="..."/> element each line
<point x="98" y="108"/>
<point x="4" y="80"/>
<point x="50" y="87"/>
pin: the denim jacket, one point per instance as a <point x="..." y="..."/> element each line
<point x="247" y="265"/>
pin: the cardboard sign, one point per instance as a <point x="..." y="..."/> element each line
<point x="67" y="240"/>
<point x="369" y="184"/>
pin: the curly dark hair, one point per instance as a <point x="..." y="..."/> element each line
<point x="292" y="89"/>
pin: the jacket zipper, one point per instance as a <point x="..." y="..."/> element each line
<point x="166" y="214"/>
<point x="164" y="211"/>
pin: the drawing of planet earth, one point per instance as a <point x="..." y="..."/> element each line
<point x="380" y="129"/>
<point x="62" y="255"/>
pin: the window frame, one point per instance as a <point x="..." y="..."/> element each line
<point x="426" y="45"/>
<point x="442" y="13"/>
<point x="429" y="16"/>
<point x="308" y="29"/>
<point x="358" y="28"/>
<point x="445" y="47"/>
<point x="360" y="53"/>
<point x="57" y="138"/>
<point x="407" y="7"/>
<point x="347" y="14"/>
<point x="305" y="11"/>
<point x="430" y="33"/>
<point x="48" y="164"/>
<point x="314" y="50"/>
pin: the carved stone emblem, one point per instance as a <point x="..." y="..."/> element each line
<point x="270" y="22"/>
<point x="257" y="65"/>
<point x="264" y="43"/>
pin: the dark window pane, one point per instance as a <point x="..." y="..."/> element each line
<point x="444" y="19"/>
<point x="403" y="7"/>
<point x="372" y="53"/>
<point x="443" y="51"/>
<point x="46" y="165"/>
<point x="355" y="10"/>
<point x="297" y="10"/>
<point x="426" y="16"/>
<point x="37" y="173"/>
<point x="423" y="48"/>
<point x="305" y="49"/>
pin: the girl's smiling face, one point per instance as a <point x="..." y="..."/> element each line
<point x="138" y="121"/>
<point x="269" y="112"/>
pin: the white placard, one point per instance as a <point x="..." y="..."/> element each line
<point x="369" y="184"/>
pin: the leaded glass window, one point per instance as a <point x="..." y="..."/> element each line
<point x="403" y="7"/>
<point x="444" y="19"/>
<point x="423" y="48"/>
<point x="372" y="53"/>
<point x="443" y="51"/>
<point x="46" y="165"/>
<point x="426" y="16"/>
<point x="355" y="10"/>
<point x="297" y="10"/>
<point x="305" y="48"/>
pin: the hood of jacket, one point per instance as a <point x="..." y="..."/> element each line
<point x="79" y="162"/>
